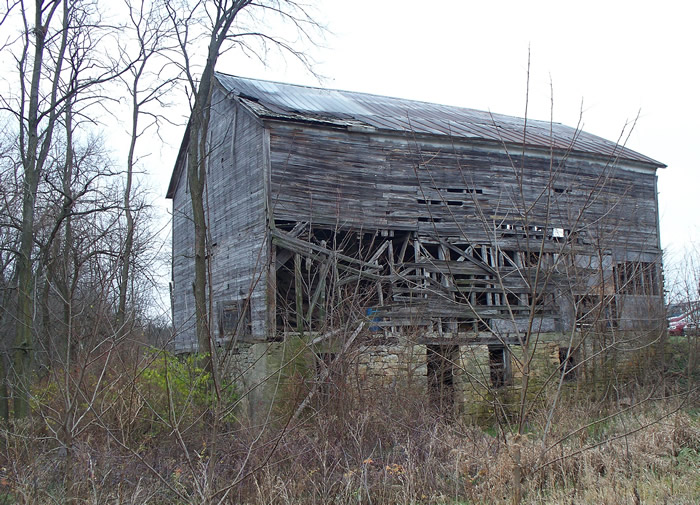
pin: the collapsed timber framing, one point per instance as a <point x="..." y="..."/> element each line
<point x="399" y="281"/>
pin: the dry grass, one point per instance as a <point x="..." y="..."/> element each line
<point x="373" y="449"/>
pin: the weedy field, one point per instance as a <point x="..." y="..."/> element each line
<point x="147" y="438"/>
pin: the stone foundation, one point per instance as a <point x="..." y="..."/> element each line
<point x="275" y="376"/>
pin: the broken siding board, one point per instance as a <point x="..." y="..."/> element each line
<point x="286" y="240"/>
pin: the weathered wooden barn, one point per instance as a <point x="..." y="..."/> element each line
<point x="454" y="225"/>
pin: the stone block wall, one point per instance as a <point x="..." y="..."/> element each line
<point x="275" y="375"/>
<point x="385" y="365"/>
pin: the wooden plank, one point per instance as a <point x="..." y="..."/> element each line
<point x="320" y="289"/>
<point x="298" y="293"/>
<point x="284" y="239"/>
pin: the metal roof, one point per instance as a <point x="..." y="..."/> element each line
<point x="350" y="109"/>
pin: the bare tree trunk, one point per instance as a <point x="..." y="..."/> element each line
<point x="23" y="351"/>
<point x="197" y="158"/>
<point x="129" y="238"/>
<point x="517" y="471"/>
<point x="150" y="30"/>
<point x="4" y="393"/>
<point x="196" y="177"/>
<point x="34" y="152"/>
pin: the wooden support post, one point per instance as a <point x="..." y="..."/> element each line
<point x="379" y="252"/>
<point x="404" y="246"/>
<point x="380" y="294"/>
<point x="417" y="256"/>
<point x="271" y="326"/>
<point x="390" y="254"/>
<point x="484" y="258"/>
<point x="320" y="291"/>
<point x="298" y="293"/>
<point x="392" y="272"/>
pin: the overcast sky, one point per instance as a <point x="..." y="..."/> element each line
<point x="617" y="58"/>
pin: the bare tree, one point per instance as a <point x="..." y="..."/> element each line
<point x="10" y="201"/>
<point x="684" y="303"/>
<point x="35" y="137"/>
<point x="56" y="66"/>
<point x="147" y="83"/>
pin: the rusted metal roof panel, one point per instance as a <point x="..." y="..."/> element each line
<point x="352" y="109"/>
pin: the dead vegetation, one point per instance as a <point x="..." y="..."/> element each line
<point x="146" y="440"/>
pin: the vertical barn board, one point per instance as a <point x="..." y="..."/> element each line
<point x="183" y="266"/>
<point x="236" y="200"/>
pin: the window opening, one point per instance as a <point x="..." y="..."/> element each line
<point x="588" y="311"/>
<point x="512" y="299"/>
<point x="441" y="361"/>
<point x="567" y="363"/>
<point x="499" y="366"/>
<point x="510" y="258"/>
<point x="532" y="259"/>
<point x="431" y="249"/>
<point x="234" y="318"/>
<point x="636" y="278"/>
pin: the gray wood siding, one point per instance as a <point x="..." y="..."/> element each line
<point x="374" y="181"/>
<point x="466" y="192"/>
<point x="476" y="194"/>
<point x="237" y="224"/>
<point x="237" y="209"/>
<point x="183" y="268"/>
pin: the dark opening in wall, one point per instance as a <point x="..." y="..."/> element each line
<point x="512" y="299"/>
<point x="432" y="249"/>
<point x="510" y="258"/>
<point x="460" y="190"/>
<point x="567" y="363"/>
<point x="531" y="259"/>
<point x="458" y="203"/>
<point x="499" y="365"/>
<point x="234" y="318"/>
<point x="636" y="278"/>
<point x="441" y="361"/>
<point x="544" y="302"/>
<point x="594" y="311"/>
